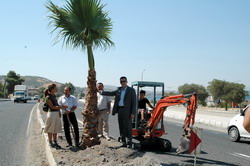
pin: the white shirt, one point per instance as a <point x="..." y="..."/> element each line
<point x="69" y="101"/>
<point x="102" y="101"/>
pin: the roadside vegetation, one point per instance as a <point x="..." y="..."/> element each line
<point x="10" y="80"/>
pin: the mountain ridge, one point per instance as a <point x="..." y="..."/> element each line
<point x="38" y="82"/>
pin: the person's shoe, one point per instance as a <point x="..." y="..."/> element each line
<point x="124" y="145"/>
<point x="129" y="146"/>
<point x="142" y="120"/>
<point x="100" y="135"/>
<point x="107" y="138"/>
<point x="69" y="145"/>
<point x="56" y="145"/>
<point x="51" y="144"/>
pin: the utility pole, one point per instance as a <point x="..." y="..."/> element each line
<point x="142" y="74"/>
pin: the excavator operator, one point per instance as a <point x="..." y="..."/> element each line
<point x="144" y="114"/>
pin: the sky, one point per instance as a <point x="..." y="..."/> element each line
<point x="170" y="41"/>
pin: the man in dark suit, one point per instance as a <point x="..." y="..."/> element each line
<point x="125" y="106"/>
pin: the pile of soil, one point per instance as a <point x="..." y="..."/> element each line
<point x="109" y="153"/>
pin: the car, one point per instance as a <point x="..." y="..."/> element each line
<point x="28" y="97"/>
<point x="235" y="128"/>
<point x="36" y="97"/>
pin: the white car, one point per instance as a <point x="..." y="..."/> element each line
<point x="235" y="128"/>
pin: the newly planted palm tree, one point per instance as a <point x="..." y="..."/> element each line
<point x="84" y="24"/>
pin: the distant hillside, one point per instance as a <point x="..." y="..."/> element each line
<point x="110" y="87"/>
<point x="35" y="81"/>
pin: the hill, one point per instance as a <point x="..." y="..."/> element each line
<point x="34" y="81"/>
<point x="38" y="82"/>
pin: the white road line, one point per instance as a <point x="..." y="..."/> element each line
<point x="29" y="123"/>
<point x="241" y="155"/>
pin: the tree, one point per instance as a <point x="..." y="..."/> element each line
<point x="199" y="89"/>
<point x="41" y="92"/>
<point x="71" y="86"/>
<point x="60" y="91"/>
<point x="1" y="90"/>
<point x="170" y="93"/>
<point x="13" y="79"/>
<point x="84" y="24"/>
<point x="227" y="91"/>
<point x="81" y="95"/>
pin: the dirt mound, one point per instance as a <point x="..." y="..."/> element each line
<point x="109" y="153"/>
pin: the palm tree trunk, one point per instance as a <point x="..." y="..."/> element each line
<point x="90" y="113"/>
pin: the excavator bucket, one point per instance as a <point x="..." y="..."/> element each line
<point x="184" y="142"/>
<point x="184" y="146"/>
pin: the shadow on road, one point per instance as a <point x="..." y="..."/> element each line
<point x="243" y="141"/>
<point x="188" y="159"/>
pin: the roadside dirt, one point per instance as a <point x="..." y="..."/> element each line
<point x="36" y="147"/>
<point x="108" y="153"/>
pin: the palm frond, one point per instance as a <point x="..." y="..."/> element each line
<point x="80" y="23"/>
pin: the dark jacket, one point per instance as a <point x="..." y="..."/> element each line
<point x="129" y="99"/>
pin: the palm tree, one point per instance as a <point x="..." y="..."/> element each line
<point x="84" y="24"/>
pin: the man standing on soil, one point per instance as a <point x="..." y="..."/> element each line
<point x="125" y="106"/>
<point x="69" y="116"/>
<point x="103" y="105"/>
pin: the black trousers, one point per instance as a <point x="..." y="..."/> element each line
<point x="73" y="121"/>
<point x="125" y="125"/>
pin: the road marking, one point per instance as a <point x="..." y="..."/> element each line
<point x="241" y="155"/>
<point x="80" y="107"/>
<point x="29" y="123"/>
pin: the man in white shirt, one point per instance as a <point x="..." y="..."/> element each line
<point x="103" y="105"/>
<point x="69" y="115"/>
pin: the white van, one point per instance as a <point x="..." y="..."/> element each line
<point x="235" y="128"/>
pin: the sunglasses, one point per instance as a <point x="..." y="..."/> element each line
<point x="122" y="81"/>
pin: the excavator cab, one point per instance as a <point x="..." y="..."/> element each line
<point x="156" y="90"/>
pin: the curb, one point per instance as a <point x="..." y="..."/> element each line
<point x="5" y="100"/>
<point x="201" y="121"/>
<point x="49" y="154"/>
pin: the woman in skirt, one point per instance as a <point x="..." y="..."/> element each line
<point x="53" y="124"/>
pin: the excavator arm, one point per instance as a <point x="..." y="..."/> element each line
<point x="162" y="104"/>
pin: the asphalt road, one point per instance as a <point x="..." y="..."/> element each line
<point x="216" y="146"/>
<point x="14" y="120"/>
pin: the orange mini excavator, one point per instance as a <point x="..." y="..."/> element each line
<point x="149" y="133"/>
